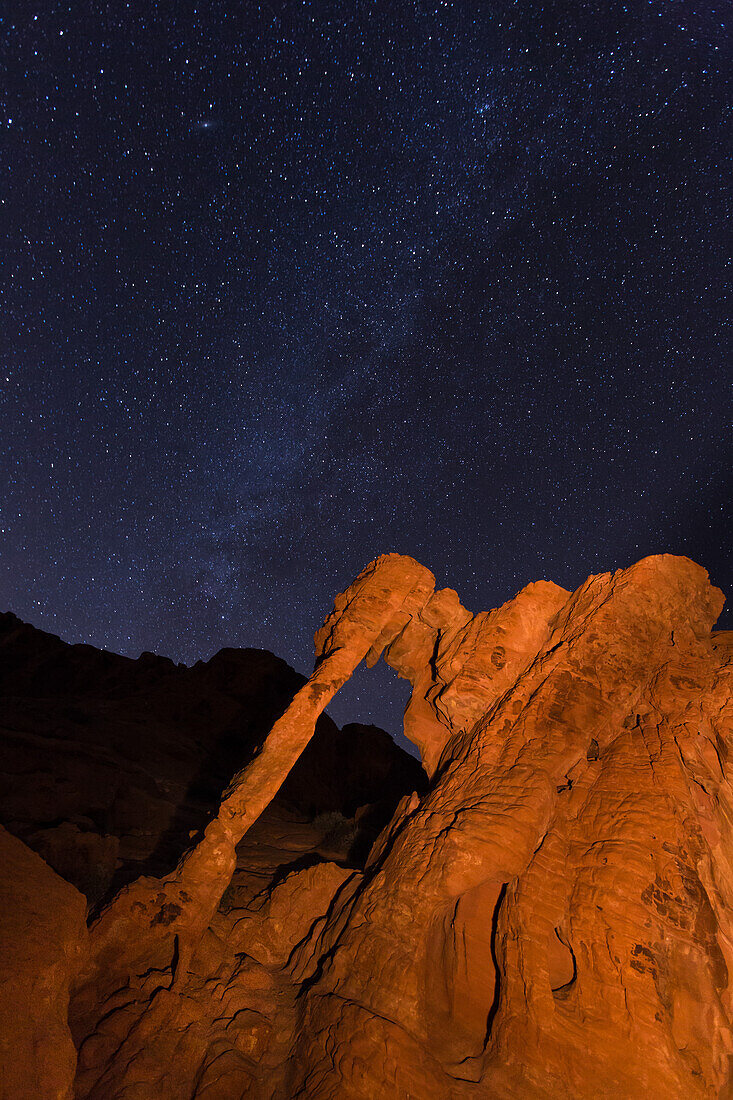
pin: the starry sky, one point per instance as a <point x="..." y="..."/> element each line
<point x="285" y="286"/>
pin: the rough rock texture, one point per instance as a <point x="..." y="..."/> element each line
<point x="550" y="919"/>
<point x="43" y="937"/>
<point x="155" y="922"/>
<point x="567" y="870"/>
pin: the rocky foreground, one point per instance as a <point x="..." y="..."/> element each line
<point x="548" y="915"/>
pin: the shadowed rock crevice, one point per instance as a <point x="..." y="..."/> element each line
<point x="495" y="953"/>
<point x="563" y="965"/>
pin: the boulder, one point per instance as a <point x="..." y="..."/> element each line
<point x="43" y="939"/>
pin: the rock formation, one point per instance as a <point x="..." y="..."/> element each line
<point x="42" y="947"/>
<point x="108" y="766"/>
<point x="550" y="918"/>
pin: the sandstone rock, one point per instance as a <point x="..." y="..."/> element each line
<point x="274" y="923"/>
<point x="155" y="923"/>
<point x="550" y="918"/>
<point x="42" y="940"/>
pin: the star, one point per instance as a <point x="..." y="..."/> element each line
<point x="324" y="288"/>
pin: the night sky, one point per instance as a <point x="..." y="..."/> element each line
<point x="287" y="286"/>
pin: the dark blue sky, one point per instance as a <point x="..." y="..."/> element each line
<point x="286" y="286"/>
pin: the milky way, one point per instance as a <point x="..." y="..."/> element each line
<point x="291" y="285"/>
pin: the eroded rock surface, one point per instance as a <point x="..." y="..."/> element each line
<point x="43" y="939"/>
<point x="551" y="918"/>
<point x="565" y="871"/>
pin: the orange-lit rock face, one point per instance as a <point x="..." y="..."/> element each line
<point x="551" y="919"/>
<point x="460" y="664"/>
<point x="43" y="938"/>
